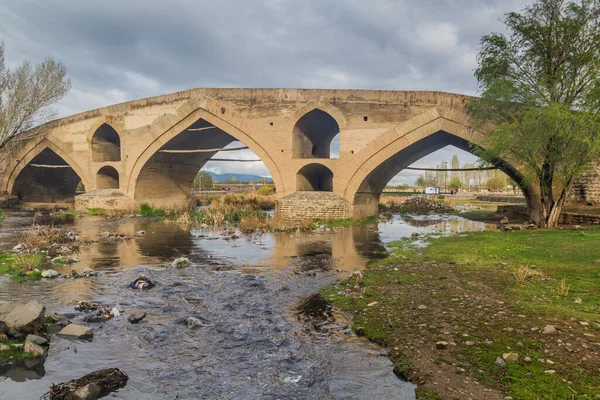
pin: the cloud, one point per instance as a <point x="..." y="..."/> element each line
<point x="120" y="50"/>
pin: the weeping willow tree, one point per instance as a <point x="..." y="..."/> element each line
<point x="26" y="93"/>
<point x="540" y="98"/>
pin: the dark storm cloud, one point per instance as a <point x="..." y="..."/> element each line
<point x="119" y="50"/>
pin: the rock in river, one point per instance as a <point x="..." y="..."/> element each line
<point x="136" y="316"/>
<point x="36" y="345"/>
<point x="49" y="273"/>
<point x="76" y="332"/>
<point x="20" y="319"/>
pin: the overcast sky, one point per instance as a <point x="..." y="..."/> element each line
<point x="123" y="50"/>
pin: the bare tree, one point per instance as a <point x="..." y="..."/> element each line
<point x="26" y="94"/>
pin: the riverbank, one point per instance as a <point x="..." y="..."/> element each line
<point x="486" y="315"/>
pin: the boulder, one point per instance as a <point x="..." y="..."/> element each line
<point x="59" y="319"/>
<point x="5" y="347"/>
<point x="36" y="345"/>
<point x="76" y="332"/>
<point x="20" y="319"/>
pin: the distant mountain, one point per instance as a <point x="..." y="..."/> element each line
<point x="240" y="177"/>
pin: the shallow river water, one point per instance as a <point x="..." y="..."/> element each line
<point x="247" y="292"/>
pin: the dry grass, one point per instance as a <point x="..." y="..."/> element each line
<point x="525" y="273"/>
<point x="43" y="236"/>
<point x="563" y="288"/>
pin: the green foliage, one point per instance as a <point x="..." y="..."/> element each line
<point x="541" y="97"/>
<point x="420" y="182"/>
<point x="203" y="180"/>
<point x="265" y="191"/>
<point x="94" y="211"/>
<point x="22" y="267"/>
<point x="455" y="183"/>
<point x="147" y="211"/>
<point x="14" y="354"/>
<point x="2" y="216"/>
<point x="25" y="262"/>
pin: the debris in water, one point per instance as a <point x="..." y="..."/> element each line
<point x="292" y="379"/>
<point x="91" y="386"/>
<point x="142" y="283"/>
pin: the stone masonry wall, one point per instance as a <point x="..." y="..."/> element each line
<point x="578" y="219"/>
<point x="587" y="187"/>
<point x="302" y="206"/>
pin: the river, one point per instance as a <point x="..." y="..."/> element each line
<point x="253" y="295"/>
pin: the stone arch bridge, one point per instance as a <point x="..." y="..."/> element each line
<point x="140" y="151"/>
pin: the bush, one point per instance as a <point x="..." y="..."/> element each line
<point x="147" y="211"/>
<point x="265" y="191"/>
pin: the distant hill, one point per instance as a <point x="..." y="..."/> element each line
<point x="240" y="177"/>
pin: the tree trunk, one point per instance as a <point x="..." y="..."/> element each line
<point x="545" y="212"/>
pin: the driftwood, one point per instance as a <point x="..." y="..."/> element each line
<point x="91" y="386"/>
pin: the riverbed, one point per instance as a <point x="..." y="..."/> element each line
<point x="246" y="289"/>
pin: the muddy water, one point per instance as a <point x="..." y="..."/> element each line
<point x="246" y="291"/>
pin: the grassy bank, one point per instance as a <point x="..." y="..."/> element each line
<point x="486" y="295"/>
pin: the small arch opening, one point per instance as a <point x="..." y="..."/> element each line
<point x="315" y="178"/>
<point x="106" y="144"/>
<point x="312" y="135"/>
<point x="107" y="178"/>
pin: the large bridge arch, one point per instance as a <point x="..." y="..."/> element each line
<point x="209" y="130"/>
<point x="400" y="147"/>
<point x="23" y="178"/>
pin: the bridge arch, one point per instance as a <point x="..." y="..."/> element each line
<point x="315" y="127"/>
<point x="45" y="174"/>
<point x="382" y="160"/>
<point x="163" y="177"/>
<point x="107" y="177"/>
<point x="106" y="144"/>
<point x="314" y="178"/>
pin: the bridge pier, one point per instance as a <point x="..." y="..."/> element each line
<point x="309" y="205"/>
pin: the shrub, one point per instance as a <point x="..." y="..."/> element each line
<point x="265" y="191"/>
<point x="147" y="211"/>
<point x="26" y="262"/>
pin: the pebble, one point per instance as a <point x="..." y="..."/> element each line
<point x="549" y="371"/>
<point x="470" y="344"/>
<point x="500" y="362"/>
<point x="549" y="330"/>
<point x="510" y="357"/>
<point x="441" y="344"/>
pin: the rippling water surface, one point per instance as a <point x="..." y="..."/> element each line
<point x="246" y="292"/>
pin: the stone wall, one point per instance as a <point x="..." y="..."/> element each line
<point x="578" y="219"/>
<point x="587" y="187"/>
<point x="302" y="206"/>
<point x="107" y="199"/>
